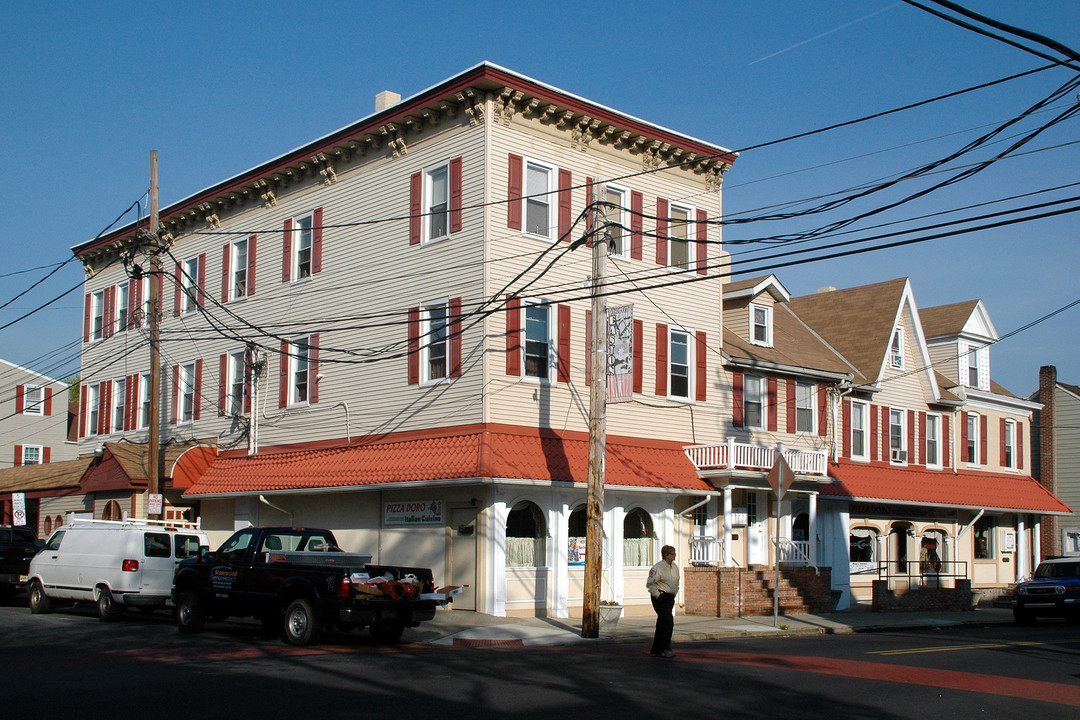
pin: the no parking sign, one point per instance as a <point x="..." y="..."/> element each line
<point x="18" y="508"/>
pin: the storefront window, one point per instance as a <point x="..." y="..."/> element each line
<point x="637" y="539"/>
<point x="983" y="538"/>
<point x="863" y="543"/>
<point x="933" y="552"/>
<point x="525" y="534"/>
<point x="576" y="550"/>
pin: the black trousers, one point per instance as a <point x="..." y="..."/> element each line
<point x="665" y="622"/>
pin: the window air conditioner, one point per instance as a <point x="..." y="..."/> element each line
<point x="899" y="456"/>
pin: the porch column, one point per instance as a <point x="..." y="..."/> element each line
<point x="727" y="527"/>
<point x="1036" y="541"/>
<point x="1022" y="551"/>
<point x="812" y="530"/>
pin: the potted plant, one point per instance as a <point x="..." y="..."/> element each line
<point x="610" y="612"/>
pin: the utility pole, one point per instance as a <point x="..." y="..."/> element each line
<point x="594" y="505"/>
<point x="154" y="440"/>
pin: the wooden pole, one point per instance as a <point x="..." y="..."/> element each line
<point x="154" y="439"/>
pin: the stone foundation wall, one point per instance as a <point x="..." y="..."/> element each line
<point x="922" y="598"/>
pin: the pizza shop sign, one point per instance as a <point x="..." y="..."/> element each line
<point x="413" y="512"/>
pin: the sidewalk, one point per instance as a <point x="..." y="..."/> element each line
<point x="464" y="628"/>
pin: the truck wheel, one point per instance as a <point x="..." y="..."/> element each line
<point x="387" y="632"/>
<point x="39" y="601"/>
<point x="1023" y="617"/>
<point x="189" y="613"/>
<point x="301" y="627"/>
<point x="108" y="608"/>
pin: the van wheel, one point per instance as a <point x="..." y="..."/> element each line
<point x="301" y="627"/>
<point x="39" y="601"/>
<point x="108" y="608"/>
<point x="189" y="613"/>
<point x="388" y="632"/>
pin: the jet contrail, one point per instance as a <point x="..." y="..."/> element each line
<point x="827" y="32"/>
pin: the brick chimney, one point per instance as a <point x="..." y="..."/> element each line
<point x="1047" y="475"/>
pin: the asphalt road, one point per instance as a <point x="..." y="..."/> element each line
<point x="68" y="662"/>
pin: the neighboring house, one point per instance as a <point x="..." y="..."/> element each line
<point x="33" y="418"/>
<point x="1056" y="457"/>
<point x="385" y="332"/>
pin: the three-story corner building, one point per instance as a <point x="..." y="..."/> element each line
<point x="385" y="332"/>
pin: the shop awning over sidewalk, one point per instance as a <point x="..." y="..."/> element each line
<point x="462" y="453"/>
<point x="869" y="482"/>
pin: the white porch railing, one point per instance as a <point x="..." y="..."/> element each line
<point x="706" y="551"/>
<point x="795" y="552"/>
<point x="744" y="456"/>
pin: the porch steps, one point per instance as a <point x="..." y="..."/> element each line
<point x="735" y="592"/>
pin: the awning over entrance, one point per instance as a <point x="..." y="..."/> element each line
<point x="477" y="451"/>
<point x="942" y="488"/>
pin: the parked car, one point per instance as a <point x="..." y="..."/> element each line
<point x="1054" y="590"/>
<point x="115" y="564"/>
<point x="18" y="545"/>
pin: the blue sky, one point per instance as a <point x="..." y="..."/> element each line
<point x="220" y="87"/>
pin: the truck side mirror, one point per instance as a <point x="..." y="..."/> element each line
<point x="39" y="543"/>
<point x="204" y="552"/>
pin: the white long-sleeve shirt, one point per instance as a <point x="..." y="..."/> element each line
<point x="663" y="577"/>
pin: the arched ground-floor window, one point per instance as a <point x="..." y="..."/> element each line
<point x="112" y="511"/>
<point x="863" y="542"/>
<point x="637" y="538"/>
<point x="526" y="534"/>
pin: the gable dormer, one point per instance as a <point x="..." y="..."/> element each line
<point x="959" y="337"/>
<point x="748" y="308"/>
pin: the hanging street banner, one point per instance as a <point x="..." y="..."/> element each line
<point x="620" y="354"/>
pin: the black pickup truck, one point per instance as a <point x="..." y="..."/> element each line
<point x="17" y="548"/>
<point x="299" y="580"/>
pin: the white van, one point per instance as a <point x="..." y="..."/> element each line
<point x="114" y="563"/>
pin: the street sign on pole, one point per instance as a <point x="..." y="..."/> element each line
<point x="18" y="508"/>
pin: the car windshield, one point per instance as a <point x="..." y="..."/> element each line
<point x="1057" y="570"/>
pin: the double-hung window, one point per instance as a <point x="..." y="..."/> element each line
<point x="433" y="341"/>
<point x="680" y="237"/>
<point x="93" y="409"/>
<point x="97" y="315"/>
<point x="303" y="235"/>
<point x="897" y="436"/>
<point x="143" y="420"/>
<point x="185" y="393"/>
<point x="437" y="202"/>
<point x="238" y="264"/>
<point x="538" y="341"/>
<point x="189" y="300"/>
<point x="123" y="294"/>
<point x="973" y="438"/>
<point x="615" y="213"/>
<point x="539" y="191"/>
<point x="1008" y="444"/>
<point x="804" y="408"/>
<point x="236" y="383"/>
<point x="119" y="404"/>
<point x="34" y="400"/>
<point x="761" y="325"/>
<point x="860" y="411"/>
<point x="754" y="402"/>
<point x="299" y="364"/>
<point x="31" y="454"/>
<point x="896" y="349"/>
<point x="933" y="441"/>
<point x="679" y="362"/>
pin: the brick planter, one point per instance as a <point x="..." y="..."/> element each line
<point x="922" y="598"/>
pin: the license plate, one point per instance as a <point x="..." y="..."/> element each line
<point x="389" y="613"/>
<point x="23" y="578"/>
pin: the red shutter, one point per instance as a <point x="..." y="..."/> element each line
<point x="455" y="195"/>
<point x="176" y="291"/>
<point x="983" y="422"/>
<point x="252" y="242"/>
<point x="1019" y="445"/>
<point x="283" y="379"/>
<point x="964" y="438"/>
<point x="46" y="454"/>
<point x="455" y="337"/>
<point x="736" y="398"/>
<point x="702" y="242"/>
<point x="1002" y="445"/>
<point x="223" y="382"/>
<point x="661" y="359"/>
<point x="226" y="256"/>
<point x="20" y="399"/>
<point x="316" y="241"/>
<point x="196" y="412"/>
<point x="823" y="410"/>
<point x="885" y="430"/>
<point x="588" y="347"/>
<point x="639" y="355"/>
<point x="513" y="335"/>
<point x="773" y="408"/>
<point x="313" y="368"/>
<point x="201" y="292"/>
<point x="845" y="428"/>
<point x="286" y="251"/>
<point x="565" y="181"/>
<point x="946" y="454"/>
<point x="911" y="436"/>
<point x="48" y="393"/>
<point x="873" y="433"/>
<point x="82" y="412"/>
<point x="414" y="346"/>
<point x="105" y="408"/>
<point x="922" y="439"/>
<point x="416" y="207"/>
<point x="563" y="365"/>
<point x="87" y="300"/>
<point x="107" y="325"/>
<point x="18" y="456"/>
<point x="513" y="193"/>
<point x="790" y="401"/>
<point x="637" y="212"/>
<point x="702" y="380"/>
<point x="661" y="231"/>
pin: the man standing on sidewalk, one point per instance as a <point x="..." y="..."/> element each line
<point x="663" y="585"/>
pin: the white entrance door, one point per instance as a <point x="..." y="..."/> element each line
<point x="463" y="556"/>
<point x="757" y="522"/>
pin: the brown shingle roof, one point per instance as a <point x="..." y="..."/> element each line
<point x="47" y="476"/>
<point x="946" y="319"/>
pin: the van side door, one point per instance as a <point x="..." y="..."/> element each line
<point x="157" y="566"/>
